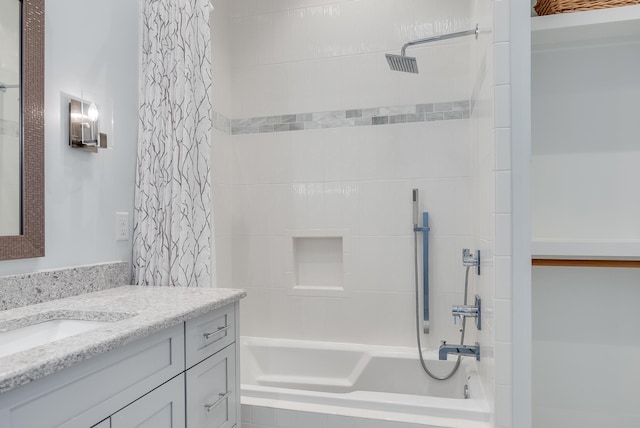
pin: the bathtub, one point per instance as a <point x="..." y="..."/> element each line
<point x="359" y="381"/>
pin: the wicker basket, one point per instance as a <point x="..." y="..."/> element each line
<point x="550" y="7"/>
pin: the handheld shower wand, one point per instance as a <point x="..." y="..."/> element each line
<point x="415" y="208"/>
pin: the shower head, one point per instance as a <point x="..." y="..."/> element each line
<point x="408" y="64"/>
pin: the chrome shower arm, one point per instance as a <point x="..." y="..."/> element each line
<point x="441" y="37"/>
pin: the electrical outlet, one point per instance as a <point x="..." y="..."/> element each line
<point x="122" y="226"/>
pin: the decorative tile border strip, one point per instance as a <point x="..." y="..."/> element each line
<point x="221" y="122"/>
<point x="354" y="117"/>
<point x="10" y="128"/>
<point x="31" y="288"/>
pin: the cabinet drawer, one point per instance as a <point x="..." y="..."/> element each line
<point x="207" y="334"/>
<point x="211" y="395"/>
<point x="161" y="408"/>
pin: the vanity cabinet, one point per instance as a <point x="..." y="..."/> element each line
<point x="211" y="397"/>
<point x="185" y="374"/>
<point x="161" y="408"/>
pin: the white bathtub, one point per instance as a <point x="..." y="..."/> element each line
<point x="373" y="382"/>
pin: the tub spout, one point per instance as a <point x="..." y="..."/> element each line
<point x="464" y="350"/>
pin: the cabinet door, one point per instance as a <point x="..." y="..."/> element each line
<point x="104" y="424"/>
<point x="161" y="408"/>
<point x="211" y="395"/>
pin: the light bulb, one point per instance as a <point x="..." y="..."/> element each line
<point x="92" y="112"/>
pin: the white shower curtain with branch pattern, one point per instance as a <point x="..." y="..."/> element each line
<point x="172" y="242"/>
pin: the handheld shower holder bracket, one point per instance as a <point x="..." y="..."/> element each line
<point x="469" y="259"/>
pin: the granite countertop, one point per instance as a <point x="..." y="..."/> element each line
<point x="136" y="312"/>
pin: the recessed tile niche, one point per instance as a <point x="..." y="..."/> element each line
<point x="319" y="262"/>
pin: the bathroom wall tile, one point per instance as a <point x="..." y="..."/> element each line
<point x="288" y="418"/>
<point x="502" y="105"/>
<point x="503" y="277"/>
<point x="503" y="413"/>
<point x="502" y="63"/>
<point x="245" y="413"/>
<point x="326" y="31"/>
<point x="313" y="420"/>
<point x="503" y="149"/>
<point x="372" y="270"/>
<point x="240" y="57"/>
<point x="503" y="234"/>
<point x="307" y="157"/>
<point x="223" y="261"/>
<point x="503" y="363"/>
<point x="281" y="36"/>
<point x="259" y="7"/>
<point x="340" y="209"/>
<point x="502" y="20"/>
<point x="263" y="416"/>
<point x="503" y="320"/>
<point x="503" y="192"/>
<point x="337" y="421"/>
<point x="357" y="178"/>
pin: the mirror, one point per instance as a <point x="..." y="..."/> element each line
<point x="21" y="129"/>
<point x="10" y="94"/>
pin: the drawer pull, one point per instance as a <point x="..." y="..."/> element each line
<point x="223" y="396"/>
<point x="220" y="330"/>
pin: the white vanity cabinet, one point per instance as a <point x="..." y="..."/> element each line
<point x="182" y="376"/>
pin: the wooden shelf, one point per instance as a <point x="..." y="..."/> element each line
<point x="627" y="264"/>
<point x="586" y="27"/>
<point x="586" y="249"/>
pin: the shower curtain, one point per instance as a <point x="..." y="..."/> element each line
<point x="172" y="236"/>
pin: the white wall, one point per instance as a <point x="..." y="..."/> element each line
<point x="90" y="46"/>
<point x="585" y="143"/>
<point x="586" y="347"/>
<point x="584" y="169"/>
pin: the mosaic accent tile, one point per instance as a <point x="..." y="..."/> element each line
<point x="415" y="117"/>
<point x="424" y="108"/>
<point x="430" y="117"/>
<point x="398" y="118"/>
<point x="385" y="115"/>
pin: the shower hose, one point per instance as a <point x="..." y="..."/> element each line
<point x="466" y="288"/>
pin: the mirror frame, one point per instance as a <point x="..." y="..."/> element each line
<point x="31" y="242"/>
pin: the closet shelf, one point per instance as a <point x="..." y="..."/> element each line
<point x="618" y="23"/>
<point x="585" y="249"/>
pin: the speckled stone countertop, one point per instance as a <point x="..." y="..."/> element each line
<point x="136" y="312"/>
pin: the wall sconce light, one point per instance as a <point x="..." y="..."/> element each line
<point x="84" y="131"/>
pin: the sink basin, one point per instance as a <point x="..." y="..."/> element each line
<point x="23" y="338"/>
